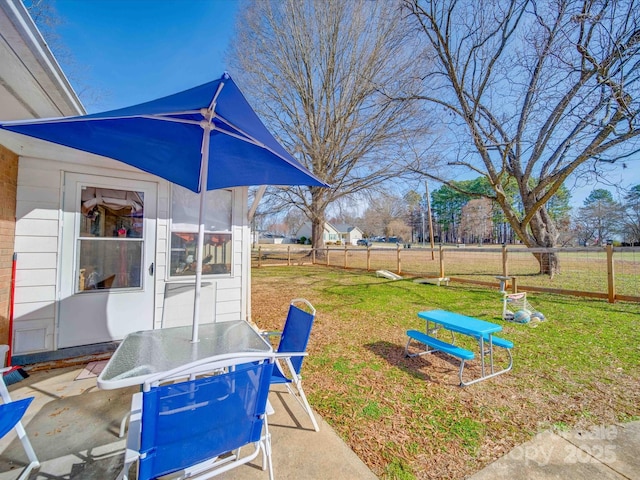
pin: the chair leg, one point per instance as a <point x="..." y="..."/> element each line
<point x="130" y="457"/>
<point x="124" y="473"/>
<point x="132" y="448"/>
<point x="22" y="434"/>
<point x="305" y="403"/>
<point x="266" y="447"/>
<point x="31" y="454"/>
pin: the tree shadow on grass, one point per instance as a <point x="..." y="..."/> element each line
<point x="435" y="367"/>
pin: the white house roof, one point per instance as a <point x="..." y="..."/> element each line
<point x="344" y="228"/>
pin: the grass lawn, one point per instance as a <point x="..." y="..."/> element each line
<point x="407" y="418"/>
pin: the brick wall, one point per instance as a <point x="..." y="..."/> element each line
<point x="8" y="187"/>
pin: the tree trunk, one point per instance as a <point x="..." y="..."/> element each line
<point x="317" y="209"/>
<point x="317" y="233"/>
<point x="549" y="263"/>
<point x="544" y="234"/>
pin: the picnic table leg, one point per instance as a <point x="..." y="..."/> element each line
<point x="491" y="351"/>
<point x="433" y="331"/>
<point x="482" y="355"/>
<point x="462" y="384"/>
<point x="492" y="374"/>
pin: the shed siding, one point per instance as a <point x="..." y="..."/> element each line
<point x="37" y="241"/>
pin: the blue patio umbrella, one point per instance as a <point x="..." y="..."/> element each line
<point x="204" y="138"/>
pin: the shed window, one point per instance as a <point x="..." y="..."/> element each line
<point x="217" y="252"/>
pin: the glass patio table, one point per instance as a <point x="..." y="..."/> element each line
<point x="145" y="353"/>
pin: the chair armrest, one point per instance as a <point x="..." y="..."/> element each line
<point x="286" y="358"/>
<point x="290" y="354"/>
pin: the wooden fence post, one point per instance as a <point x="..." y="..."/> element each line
<point x="313" y="256"/>
<point x="345" y="256"/>
<point x="505" y="264"/>
<point x="399" y="260"/>
<point x="441" y="261"/>
<point x="259" y="257"/>
<point x="368" y="258"/>
<point x="327" y="247"/>
<point x="611" y="284"/>
<point x="288" y="255"/>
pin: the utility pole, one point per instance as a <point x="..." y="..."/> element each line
<point x="426" y="185"/>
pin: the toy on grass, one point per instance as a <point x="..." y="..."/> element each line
<point x="516" y="308"/>
<point x="522" y="316"/>
<point x="538" y="316"/>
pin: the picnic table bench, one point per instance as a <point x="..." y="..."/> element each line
<point x="477" y="329"/>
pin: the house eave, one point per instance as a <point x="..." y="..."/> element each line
<point x="32" y="83"/>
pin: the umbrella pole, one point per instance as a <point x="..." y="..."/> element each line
<point x="204" y="167"/>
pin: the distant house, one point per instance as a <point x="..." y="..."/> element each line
<point x="349" y="234"/>
<point x="345" y="234"/>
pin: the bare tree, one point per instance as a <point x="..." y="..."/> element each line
<point x="294" y="221"/>
<point x="476" y="223"/>
<point x="382" y="211"/>
<point x="316" y="70"/>
<point x="535" y="91"/>
<point x="49" y="22"/>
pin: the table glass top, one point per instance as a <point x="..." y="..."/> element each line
<point x="152" y="351"/>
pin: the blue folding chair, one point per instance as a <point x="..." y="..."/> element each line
<point x="11" y="412"/>
<point x="291" y="351"/>
<point x="193" y="420"/>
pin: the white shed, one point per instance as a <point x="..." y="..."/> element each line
<point x="58" y="305"/>
<point x="103" y="249"/>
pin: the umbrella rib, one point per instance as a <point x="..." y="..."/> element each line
<point x="169" y="119"/>
<point x="249" y="139"/>
<point x="214" y="100"/>
<point x="157" y="116"/>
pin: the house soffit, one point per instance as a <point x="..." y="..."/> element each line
<point x="32" y="84"/>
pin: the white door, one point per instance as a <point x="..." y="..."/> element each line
<point x="108" y="249"/>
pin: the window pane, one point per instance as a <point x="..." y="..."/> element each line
<point x="109" y="264"/>
<point x="111" y="239"/>
<point x="216" y="255"/>
<point x="184" y="227"/>
<point x="186" y="204"/>
<point x="111" y="213"/>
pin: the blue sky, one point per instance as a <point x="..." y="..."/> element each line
<point x="125" y="52"/>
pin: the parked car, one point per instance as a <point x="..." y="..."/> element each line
<point x="364" y="242"/>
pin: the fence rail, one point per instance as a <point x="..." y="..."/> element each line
<point x="611" y="273"/>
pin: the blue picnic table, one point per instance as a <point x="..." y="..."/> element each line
<point x="480" y="330"/>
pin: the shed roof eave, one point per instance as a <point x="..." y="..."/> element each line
<point x="42" y="61"/>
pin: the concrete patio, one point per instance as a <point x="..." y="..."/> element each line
<point x="73" y="427"/>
